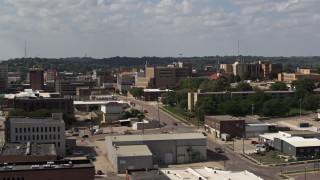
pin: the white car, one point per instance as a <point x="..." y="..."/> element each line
<point x="259" y="145"/>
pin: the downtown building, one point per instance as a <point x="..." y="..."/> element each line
<point x="37" y="130"/>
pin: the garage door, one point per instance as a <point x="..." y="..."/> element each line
<point x="180" y="159"/>
<point x="168" y="158"/>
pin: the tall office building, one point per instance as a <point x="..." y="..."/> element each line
<point x="3" y="78"/>
<point x="36" y="78"/>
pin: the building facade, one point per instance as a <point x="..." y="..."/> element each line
<point x="69" y="87"/>
<point x="53" y="170"/>
<point x="37" y="130"/>
<point x="3" y="78"/>
<point x="217" y="125"/>
<point x="165" y="149"/>
<point x="36" y="78"/>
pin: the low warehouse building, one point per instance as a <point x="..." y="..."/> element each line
<point x="164" y="148"/>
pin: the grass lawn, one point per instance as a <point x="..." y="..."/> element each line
<point x="176" y="111"/>
<point x="271" y="157"/>
<point x="296" y="111"/>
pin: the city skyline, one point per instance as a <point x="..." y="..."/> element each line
<point x="107" y="28"/>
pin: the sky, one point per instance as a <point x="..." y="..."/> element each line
<point x="136" y="28"/>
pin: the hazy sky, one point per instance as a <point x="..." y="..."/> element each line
<point x="106" y="28"/>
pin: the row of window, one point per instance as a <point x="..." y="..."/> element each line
<point x="13" y="178"/>
<point x="38" y="129"/>
<point x="37" y="137"/>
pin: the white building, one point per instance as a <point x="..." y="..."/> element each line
<point x="205" y="173"/>
<point x="37" y="130"/>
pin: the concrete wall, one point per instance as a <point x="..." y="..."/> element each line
<point x="134" y="162"/>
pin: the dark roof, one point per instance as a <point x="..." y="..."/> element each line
<point x="24" y="149"/>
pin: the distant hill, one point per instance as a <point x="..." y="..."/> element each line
<point x="83" y="64"/>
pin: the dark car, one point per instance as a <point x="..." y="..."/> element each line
<point x="176" y="124"/>
<point x="91" y="157"/>
<point x="85" y="136"/>
<point x="218" y="150"/>
<point x="205" y="134"/>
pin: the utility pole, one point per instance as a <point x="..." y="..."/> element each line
<point x="159" y="116"/>
<point x="252" y="108"/>
<point x="198" y="118"/>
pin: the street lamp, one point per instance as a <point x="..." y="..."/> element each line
<point x="300" y="106"/>
<point x="305" y="173"/>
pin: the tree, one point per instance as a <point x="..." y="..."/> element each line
<point x="136" y="91"/>
<point x="274" y="107"/>
<point x="303" y="87"/>
<point x="231" y="108"/>
<point x="279" y="86"/>
<point x="311" y="102"/>
<point x="205" y="106"/>
<point x="169" y="98"/>
<point x="243" y="87"/>
<point x="258" y="98"/>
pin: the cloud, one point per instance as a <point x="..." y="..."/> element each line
<point x="122" y="23"/>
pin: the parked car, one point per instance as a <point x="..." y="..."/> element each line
<point x="176" y="124"/>
<point x="164" y="132"/>
<point x="257" y="151"/>
<point x="76" y="134"/>
<point x="205" y="134"/>
<point x="85" y="136"/>
<point x="145" y="111"/>
<point x="218" y="150"/>
<point x="254" y="142"/>
<point x="78" y="153"/>
<point x="91" y="157"/>
<point x="127" y="132"/>
<point x="260" y="145"/>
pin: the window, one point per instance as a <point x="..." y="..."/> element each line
<point x="41" y="129"/>
<point x="20" y="137"/>
<point x="45" y="129"/>
<point x="25" y="130"/>
<point x="58" y="129"/>
<point x="49" y="136"/>
<point x="54" y="129"/>
<point x="58" y="136"/>
<point x="49" y="129"/>
<point x="45" y="137"/>
<point x="25" y="137"/>
<point x="37" y="137"/>
<point x="33" y="137"/>
<point x="16" y="138"/>
<point x="301" y="150"/>
<point x="41" y="137"/>
<point x="33" y="129"/>
<point x="28" y="130"/>
<point x="28" y="137"/>
<point x="54" y="136"/>
<point x="16" y="130"/>
<point x="37" y="129"/>
<point x="20" y="130"/>
<point x="58" y="144"/>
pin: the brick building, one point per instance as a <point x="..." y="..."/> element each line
<point x="217" y="125"/>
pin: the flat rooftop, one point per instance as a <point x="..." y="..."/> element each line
<point x="133" y="150"/>
<point x="151" y="137"/>
<point x="99" y="102"/>
<point x="302" y="142"/>
<point x="224" y="118"/>
<point x="207" y="173"/>
<point x="297" y="132"/>
<point x="40" y="120"/>
<point x="34" y="149"/>
<point x="44" y="165"/>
